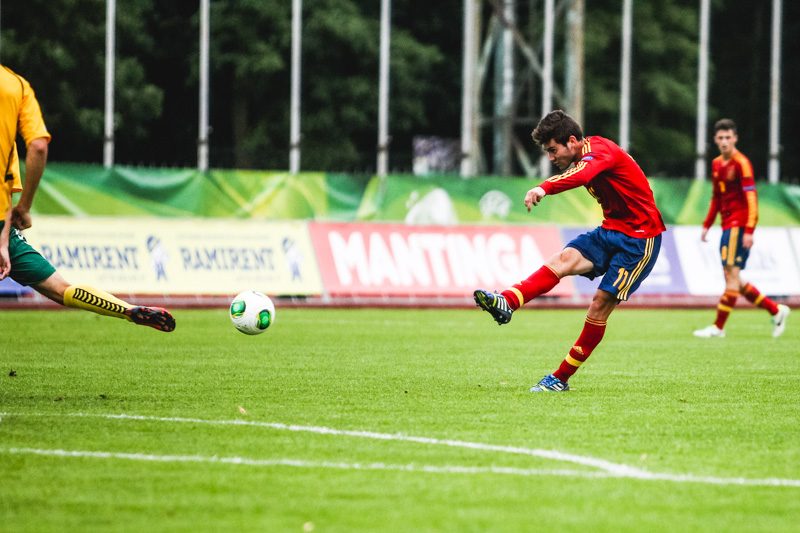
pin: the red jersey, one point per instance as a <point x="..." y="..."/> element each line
<point x="618" y="184"/>
<point x="734" y="193"/>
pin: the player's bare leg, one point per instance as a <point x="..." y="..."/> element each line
<point x="101" y="302"/>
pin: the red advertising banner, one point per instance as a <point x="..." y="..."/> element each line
<point x="402" y="260"/>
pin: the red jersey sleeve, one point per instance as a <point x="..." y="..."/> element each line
<point x="749" y="189"/>
<point x="618" y="184"/>
<point x="590" y="165"/>
<point x="716" y="200"/>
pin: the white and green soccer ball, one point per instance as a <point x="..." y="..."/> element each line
<point x="252" y="312"/>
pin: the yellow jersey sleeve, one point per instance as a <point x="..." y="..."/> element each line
<point x="31" y="123"/>
<point x="20" y="114"/>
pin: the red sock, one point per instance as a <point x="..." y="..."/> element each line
<point x="590" y="337"/>
<point x="726" y="304"/>
<point x="538" y="283"/>
<point x="756" y="298"/>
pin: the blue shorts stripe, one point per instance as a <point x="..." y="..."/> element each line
<point x="731" y="251"/>
<point x="648" y="252"/>
<point x="623" y="261"/>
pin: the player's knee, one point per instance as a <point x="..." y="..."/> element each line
<point x="603" y="303"/>
<point x="565" y="261"/>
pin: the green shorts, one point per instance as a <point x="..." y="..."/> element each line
<point x="28" y="267"/>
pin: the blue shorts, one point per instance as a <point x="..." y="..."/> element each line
<point x="731" y="251"/>
<point x="623" y="261"/>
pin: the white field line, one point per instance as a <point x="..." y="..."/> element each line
<point x="611" y="468"/>
<point x="427" y="469"/>
<point x="608" y="469"/>
<point x="298" y="463"/>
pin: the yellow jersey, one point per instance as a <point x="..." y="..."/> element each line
<point x="20" y="114"/>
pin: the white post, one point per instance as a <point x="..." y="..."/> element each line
<point x="467" y="91"/>
<point x="575" y="70"/>
<point x="508" y="86"/>
<point x="504" y="92"/>
<point x="702" y="92"/>
<point x="625" y="77"/>
<point x="547" y="73"/>
<point x="294" y="133"/>
<point x="108" y="132"/>
<point x="202" y="138"/>
<point x="383" y="90"/>
<point x="775" y="95"/>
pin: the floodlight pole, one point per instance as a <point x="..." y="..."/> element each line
<point x="625" y="77"/>
<point x="702" y="91"/>
<point x="574" y="75"/>
<point x="468" y="153"/>
<point x="504" y="92"/>
<point x="547" y="73"/>
<point x="108" y="131"/>
<point x="202" y="138"/>
<point x="294" y="134"/>
<point x="383" y="90"/>
<point x="775" y="95"/>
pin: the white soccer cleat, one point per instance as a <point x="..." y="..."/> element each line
<point x="780" y="319"/>
<point x="710" y="331"/>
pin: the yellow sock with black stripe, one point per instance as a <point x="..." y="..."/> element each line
<point x="95" y="300"/>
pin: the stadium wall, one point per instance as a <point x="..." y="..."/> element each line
<point x="205" y="261"/>
<point x="194" y="239"/>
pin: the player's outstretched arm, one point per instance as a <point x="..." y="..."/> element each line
<point x="35" y="161"/>
<point x="5" y="259"/>
<point x="533" y="197"/>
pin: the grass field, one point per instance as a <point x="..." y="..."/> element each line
<point x="397" y="420"/>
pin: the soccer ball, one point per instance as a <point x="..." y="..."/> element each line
<point x="252" y="312"/>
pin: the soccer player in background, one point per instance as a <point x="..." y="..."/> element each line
<point x="20" y="114"/>
<point x="623" y="249"/>
<point x="734" y="196"/>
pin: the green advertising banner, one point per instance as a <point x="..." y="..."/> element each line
<point x="91" y="190"/>
<point x="448" y="200"/>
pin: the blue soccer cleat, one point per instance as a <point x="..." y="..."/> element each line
<point x="494" y="304"/>
<point x="550" y="383"/>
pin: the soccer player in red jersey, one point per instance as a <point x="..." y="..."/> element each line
<point x="623" y="249"/>
<point x="735" y="198"/>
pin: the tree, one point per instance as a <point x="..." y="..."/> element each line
<point x="61" y="51"/>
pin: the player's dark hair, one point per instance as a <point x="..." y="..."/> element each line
<point x="558" y="126"/>
<point x="725" y="124"/>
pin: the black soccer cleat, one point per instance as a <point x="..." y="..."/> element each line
<point x="494" y="304"/>
<point x="155" y="317"/>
